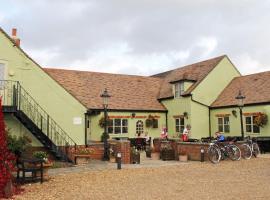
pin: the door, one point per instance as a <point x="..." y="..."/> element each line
<point x="88" y="130"/>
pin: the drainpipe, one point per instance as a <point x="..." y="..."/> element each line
<point x="85" y="129"/>
<point x="166" y="116"/>
<point x="209" y="123"/>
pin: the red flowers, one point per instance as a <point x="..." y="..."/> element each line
<point x="7" y="159"/>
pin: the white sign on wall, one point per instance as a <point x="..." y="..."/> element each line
<point x="77" y="120"/>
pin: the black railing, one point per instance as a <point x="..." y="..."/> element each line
<point x="14" y="95"/>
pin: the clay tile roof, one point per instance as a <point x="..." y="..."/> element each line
<point x="128" y="92"/>
<point x="255" y="87"/>
<point x="195" y="72"/>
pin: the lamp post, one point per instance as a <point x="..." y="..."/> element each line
<point x="240" y="98"/>
<point x="105" y="96"/>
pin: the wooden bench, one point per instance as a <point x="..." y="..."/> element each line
<point x="32" y="166"/>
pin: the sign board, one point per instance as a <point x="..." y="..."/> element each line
<point x="77" y="120"/>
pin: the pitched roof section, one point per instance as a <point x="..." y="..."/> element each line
<point x="195" y="72"/>
<point x="128" y="92"/>
<point x="255" y="87"/>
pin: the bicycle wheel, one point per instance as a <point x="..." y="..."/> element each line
<point x="234" y="152"/>
<point x="246" y="151"/>
<point x="256" y="149"/>
<point x="214" y="154"/>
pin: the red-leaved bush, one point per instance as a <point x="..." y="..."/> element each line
<point x="7" y="159"/>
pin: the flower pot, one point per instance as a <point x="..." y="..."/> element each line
<point x="155" y="156"/>
<point x="112" y="159"/>
<point x="46" y="167"/>
<point x="183" y="158"/>
<point x="148" y="154"/>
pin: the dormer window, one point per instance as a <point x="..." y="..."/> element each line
<point x="178" y="89"/>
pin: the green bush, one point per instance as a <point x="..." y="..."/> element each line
<point x="40" y="155"/>
<point x="18" y="144"/>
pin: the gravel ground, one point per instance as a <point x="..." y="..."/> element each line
<point x="245" y="179"/>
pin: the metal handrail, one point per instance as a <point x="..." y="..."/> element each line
<point x="15" y="95"/>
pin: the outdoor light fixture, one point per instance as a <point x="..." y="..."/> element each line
<point x="105" y="96"/>
<point x="240" y="102"/>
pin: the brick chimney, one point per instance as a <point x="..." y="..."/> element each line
<point x="14" y="37"/>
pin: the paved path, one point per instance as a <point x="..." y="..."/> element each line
<point x="96" y="165"/>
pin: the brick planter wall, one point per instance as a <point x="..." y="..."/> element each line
<point x="122" y="146"/>
<point x="193" y="150"/>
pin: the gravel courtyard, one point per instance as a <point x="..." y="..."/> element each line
<point x="245" y="179"/>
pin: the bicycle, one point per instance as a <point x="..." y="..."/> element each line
<point x="250" y="148"/>
<point x="218" y="151"/>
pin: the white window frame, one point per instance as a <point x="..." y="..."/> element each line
<point x="121" y="126"/>
<point x="251" y="124"/>
<point x="223" y="125"/>
<point x="178" y="89"/>
<point x="139" y="127"/>
<point x="178" y="124"/>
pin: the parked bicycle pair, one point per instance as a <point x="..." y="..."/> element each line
<point x="219" y="150"/>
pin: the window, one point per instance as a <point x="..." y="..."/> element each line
<point x="118" y="126"/>
<point x="179" y="125"/>
<point x="224" y="124"/>
<point x="178" y="89"/>
<point x="139" y="127"/>
<point x="250" y="126"/>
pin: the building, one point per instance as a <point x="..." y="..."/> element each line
<point x="59" y="107"/>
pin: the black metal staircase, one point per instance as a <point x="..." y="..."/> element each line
<point x="17" y="100"/>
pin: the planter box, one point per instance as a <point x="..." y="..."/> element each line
<point x="167" y="154"/>
<point x="46" y="167"/>
<point x="183" y="158"/>
<point x="135" y="158"/>
<point x="112" y="159"/>
<point x="155" y="156"/>
<point x="82" y="159"/>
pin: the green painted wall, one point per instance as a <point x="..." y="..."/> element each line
<point x="199" y="121"/>
<point x="16" y="128"/>
<point x="58" y="103"/>
<point x="95" y="131"/>
<point x="176" y="107"/>
<point x="209" y="89"/>
<point x="235" y="127"/>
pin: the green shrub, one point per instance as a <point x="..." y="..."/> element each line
<point x="18" y="144"/>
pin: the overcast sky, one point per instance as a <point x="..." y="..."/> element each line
<point x="140" y="36"/>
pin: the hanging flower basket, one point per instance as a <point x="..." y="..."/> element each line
<point x="101" y="122"/>
<point x="261" y="119"/>
<point x="151" y="121"/>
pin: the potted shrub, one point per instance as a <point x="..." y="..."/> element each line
<point x="166" y="151"/>
<point x="46" y="163"/>
<point x="18" y="144"/>
<point x="134" y="156"/>
<point x="148" y="151"/>
<point x="183" y="157"/>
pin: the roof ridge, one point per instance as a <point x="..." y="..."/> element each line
<point x="258" y="73"/>
<point x="106" y="73"/>
<point x="189" y="65"/>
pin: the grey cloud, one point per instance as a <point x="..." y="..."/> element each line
<point x="74" y="31"/>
